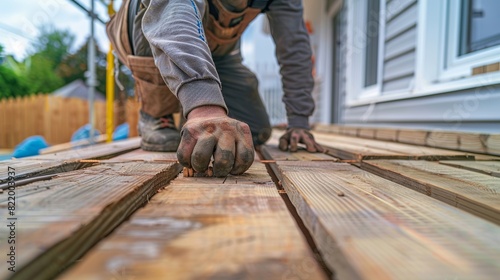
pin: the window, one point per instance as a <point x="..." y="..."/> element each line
<point x="480" y="25"/>
<point x="365" y="45"/>
<point x="472" y="37"/>
<point x="372" y="42"/>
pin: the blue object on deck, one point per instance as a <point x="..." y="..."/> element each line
<point x="121" y="132"/>
<point x="5" y="156"/>
<point x="83" y="133"/>
<point x="30" y="146"/>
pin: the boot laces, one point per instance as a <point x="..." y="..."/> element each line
<point x="164" y="122"/>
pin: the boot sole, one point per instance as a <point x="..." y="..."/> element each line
<point x="166" y="147"/>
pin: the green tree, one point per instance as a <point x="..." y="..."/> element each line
<point x="53" y="44"/>
<point x="47" y="52"/>
<point x="11" y="85"/>
<point x="41" y="75"/>
<point x="74" y="66"/>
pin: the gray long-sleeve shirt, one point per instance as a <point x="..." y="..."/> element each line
<point x="175" y="32"/>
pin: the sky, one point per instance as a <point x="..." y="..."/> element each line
<point x="21" y="19"/>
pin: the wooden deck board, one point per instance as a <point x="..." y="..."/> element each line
<point x="368" y="227"/>
<point x="272" y="151"/>
<point x="487" y="167"/>
<point x="31" y="168"/>
<point x="463" y="141"/>
<point x="206" y="228"/>
<point x="98" y="151"/>
<point x="463" y="189"/>
<point x="60" y="219"/>
<point x="64" y="161"/>
<point x="359" y="149"/>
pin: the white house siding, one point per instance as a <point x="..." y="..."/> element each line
<point x="468" y="109"/>
<point x="400" y="45"/>
<point x="476" y="110"/>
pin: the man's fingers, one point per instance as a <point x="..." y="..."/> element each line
<point x="244" y="158"/>
<point x="244" y="154"/>
<point x="319" y="148"/>
<point x="283" y="145"/>
<point x="224" y="156"/>
<point x="202" y="153"/>
<point x="309" y="142"/>
<point x="185" y="148"/>
<point x="294" y="141"/>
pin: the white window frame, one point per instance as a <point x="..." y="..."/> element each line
<point x="456" y="66"/>
<point x="357" y="51"/>
<point x="444" y="71"/>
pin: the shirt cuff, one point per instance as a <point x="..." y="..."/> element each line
<point x="297" y="121"/>
<point x="199" y="93"/>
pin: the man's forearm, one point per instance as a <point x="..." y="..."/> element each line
<point x="175" y="32"/>
<point x="293" y="52"/>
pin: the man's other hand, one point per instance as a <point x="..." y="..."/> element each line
<point x="294" y="136"/>
<point x="209" y="131"/>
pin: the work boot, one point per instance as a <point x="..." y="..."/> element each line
<point x="158" y="134"/>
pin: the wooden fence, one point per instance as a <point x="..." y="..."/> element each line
<point x="55" y="118"/>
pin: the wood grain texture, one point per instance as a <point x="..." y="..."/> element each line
<point x="487" y="167"/>
<point x="98" y="151"/>
<point x="206" y="228"/>
<point x="367" y="227"/>
<point x="354" y="148"/>
<point x="386" y="134"/>
<point x="71" y="145"/>
<point x="146" y="156"/>
<point x="463" y="141"/>
<point x="471" y="191"/>
<point x="414" y="137"/>
<point x="64" y="161"/>
<point x="60" y="219"/>
<point x="33" y="168"/>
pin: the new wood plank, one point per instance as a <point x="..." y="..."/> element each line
<point x="354" y="148"/>
<point x="415" y="137"/>
<point x="206" y="228"/>
<point x="98" y="151"/>
<point x="367" y="227"/>
<point x="386" y="134"/>
<point x="146" y="156"/>
<point x="60" y="219"/>
<point x="449" y="140"/>
<point x="487" y="167"/>
<point x="464" y="141"/>
<point x="366" y="132"/>
<point x="468" y="190"/>
<point x="71" y="145"/>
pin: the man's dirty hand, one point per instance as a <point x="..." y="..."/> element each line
<point x="209" y="131"/>
<point x="294" y="136"/>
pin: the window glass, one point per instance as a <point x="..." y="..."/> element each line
<point x="372" y="41"/>
<point x="480" y="25"/>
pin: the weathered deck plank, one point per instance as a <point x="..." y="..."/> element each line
<point x="271" y="150"/>
<point x="354" y="148"/>
<point x="206" y="228"/>
<point x="467" y="190"/>
<point x="64" y="161"/>
<point x="60" y="219"/>
<point x="370" y="228"/>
